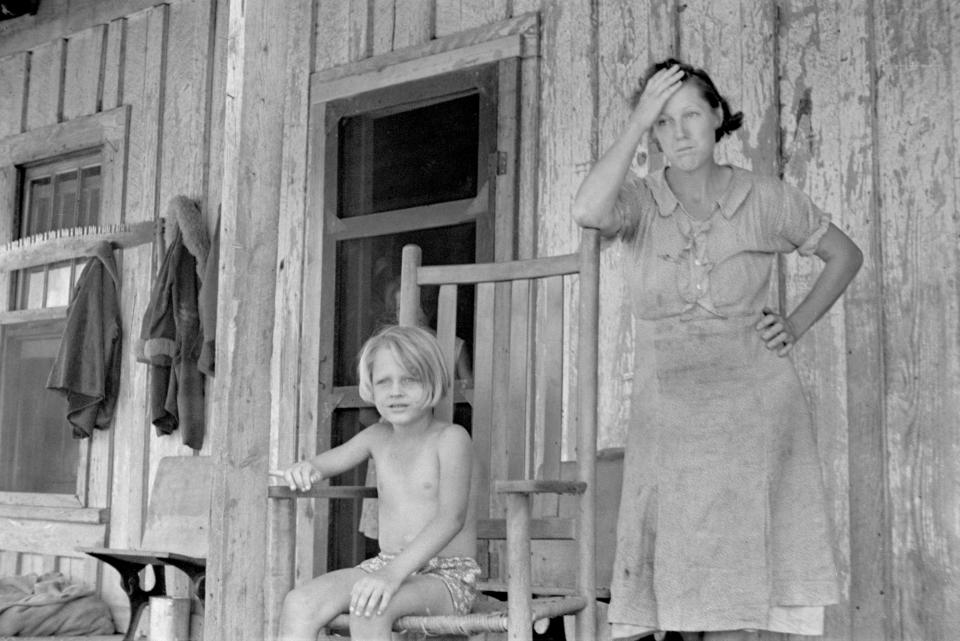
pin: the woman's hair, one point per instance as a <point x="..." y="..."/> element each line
<point x="415" y="349"/>
<point x="730" y="122"/>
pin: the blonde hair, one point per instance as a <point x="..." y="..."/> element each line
<point x="417" y="350"/>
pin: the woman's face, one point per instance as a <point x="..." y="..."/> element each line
<point x="686" y="128"/>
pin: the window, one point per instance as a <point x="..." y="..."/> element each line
<point x="37" y="451"/>
<point x="61" y="190"/>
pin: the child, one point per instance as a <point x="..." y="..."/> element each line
<point x="427" y="525"/>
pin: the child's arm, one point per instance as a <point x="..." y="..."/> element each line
<point x="455" y="452"/>
<point x="303" y="474"/>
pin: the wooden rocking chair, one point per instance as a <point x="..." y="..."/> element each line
<point x="522" y="365"/>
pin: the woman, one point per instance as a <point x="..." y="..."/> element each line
<point x="723" y="527"/>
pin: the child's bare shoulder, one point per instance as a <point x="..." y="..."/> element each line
<point x="451" y="435"/>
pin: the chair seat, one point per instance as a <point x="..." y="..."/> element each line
<point x="488" y="615"/>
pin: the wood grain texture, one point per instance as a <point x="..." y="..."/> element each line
<point x="459" y="15"/>
<point x="286" y="357"/>
<point x="917" y="185"/>
<point x="253" y="161"/>
<point x="825" y="147"/>
<point x="13" y="89"/>
<point x="45" y="90"/>
<point x="414" y="22"/>
<point x="82" y="83"/>
<point x="567" y="142"/>
<point x="631" y="36"/>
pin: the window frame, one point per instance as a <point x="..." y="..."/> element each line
<point x="106" y="132"/>
<point x="511" y="45"/>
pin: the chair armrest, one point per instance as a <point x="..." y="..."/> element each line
<point x="540" y="487"/>
<point x="323" y="492"/>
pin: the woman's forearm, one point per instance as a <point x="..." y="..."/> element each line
<point x="593" y="204"/>
<point x="842" y="259"/>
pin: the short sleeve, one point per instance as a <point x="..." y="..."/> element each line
<point x="633" y="202"/>
<point x="801" y="224"/>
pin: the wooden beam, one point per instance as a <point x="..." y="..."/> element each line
<point x="479" y="36"/>
<point x="260" y="42"/>
<point x="60" y="514"/>
<point x="50" y="537"/>
<point x="410" y="70"/>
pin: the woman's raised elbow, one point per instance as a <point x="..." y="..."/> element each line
<point x="586" y="216"/>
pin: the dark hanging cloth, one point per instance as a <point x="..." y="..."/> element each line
<point x="208" y="304"/>
<point x="170" y="337"/>
<point x="87" y="369"/>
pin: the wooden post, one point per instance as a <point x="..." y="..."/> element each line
<point x="520" y="627"/>
<point x="259" y="45"/>
<point x="587" y="432"/>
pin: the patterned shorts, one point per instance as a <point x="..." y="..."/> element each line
<point x="458" y="573"/>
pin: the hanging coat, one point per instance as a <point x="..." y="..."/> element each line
<point x="87" y="369"/>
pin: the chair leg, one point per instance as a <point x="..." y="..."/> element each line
<point x="130" y="581"/>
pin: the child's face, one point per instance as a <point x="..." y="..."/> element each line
<point x="398" y="395"/>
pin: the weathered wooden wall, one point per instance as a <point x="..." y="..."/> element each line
<point x="78" y="58"/>
<point x="853" y="103"/>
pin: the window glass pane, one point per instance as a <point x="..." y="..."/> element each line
<point x="37" y="450"/>
<point x="368" y="277"/>
<point x="32" y="288"/>
<point x="59" y="284"/>
<point x="89" y="196"/>
<point x="417" y="157"/>
<point x="65" y="201"/>
<point x="37" y="218"/>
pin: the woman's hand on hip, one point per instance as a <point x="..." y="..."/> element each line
<point x="776" y="332"/>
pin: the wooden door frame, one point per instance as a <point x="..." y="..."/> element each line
<point x="513" y="45"/>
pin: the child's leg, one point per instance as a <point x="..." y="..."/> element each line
<point x="417" y="595"/>
<point x="309" y="607"/>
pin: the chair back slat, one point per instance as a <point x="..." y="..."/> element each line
<point x="483" y="387"/>
<point x="549" y="397"/>
<point x="447" y="337"/>
<point x="516" y="427"/>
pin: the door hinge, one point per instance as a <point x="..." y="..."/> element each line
<point x="501" y="163"/>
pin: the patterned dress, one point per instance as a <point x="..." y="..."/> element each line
<point x="723" y="522"/>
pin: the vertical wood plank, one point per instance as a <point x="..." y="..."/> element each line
<point x="141" y="85"/>
<point x="826" y="129"/>
<point x="113" y="64"/>
<point x="631" y="37"/>
<point x="567" y="137"/>
<point x="917" y="185"/>
<point x="460" y="15"/>
<point x="139" y="40"/>
<point x="333" y="29"/>
<point x="869" y="538"/>
<point x="9" y="563"/>
<point x="528" y="148"/>
<point x="253" y="158"/>
<point x="285" y="363"/>
<point x="413" y="22"/>
<point x="360" y="29"/>
<point x="734" y="40"/>
<point x="82" y="84"/>
<point x="45" y="91"/>
<point x="13" y="90"/>
<point x="383" y="20"/>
